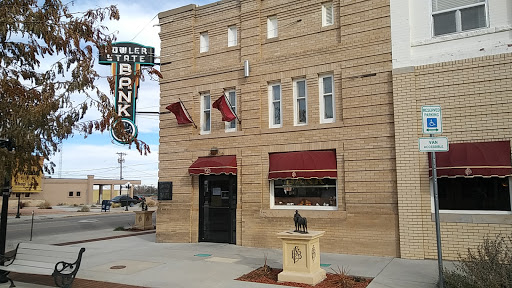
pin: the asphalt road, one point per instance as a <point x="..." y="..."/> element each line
<point x="59" y="230"/>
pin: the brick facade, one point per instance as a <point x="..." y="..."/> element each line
<point x="475" y="97"/>
<point x="356" y="50"/>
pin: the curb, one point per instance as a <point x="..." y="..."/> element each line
<point x="106" y="238"/>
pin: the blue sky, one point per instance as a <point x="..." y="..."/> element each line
<point x="97" y="154"/>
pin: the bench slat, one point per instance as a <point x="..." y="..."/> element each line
<point x="26" y="269"/>
<point x="46" y="259"/>
<point x="35" y="264"/>
<point x="51" y="255"/>
<point x="44" y="247"/>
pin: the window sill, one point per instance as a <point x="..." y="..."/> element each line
<point x="309" y="213"/>
<point x="222" y="134"/>
<point x="273" y="39"/>
<point x="328" y="27"/>
<point x="460" y="35"/>
<point x="475" y="217"/>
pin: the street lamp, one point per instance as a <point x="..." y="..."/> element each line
<point x="127" y="187"/>
<point x="6" y="192"/>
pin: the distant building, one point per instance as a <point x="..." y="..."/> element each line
<point x="311" y="82"/>
<point x="75" y="191"/>
<point x="456" y="54"/>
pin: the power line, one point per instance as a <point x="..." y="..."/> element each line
<point x="143" y="28"/>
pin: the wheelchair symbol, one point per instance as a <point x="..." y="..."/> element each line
<point x="432" y="122"/>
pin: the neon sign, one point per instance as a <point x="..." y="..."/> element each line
<point x="126" y="59"/>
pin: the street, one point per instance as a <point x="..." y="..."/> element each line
<point x="53" y="230"/>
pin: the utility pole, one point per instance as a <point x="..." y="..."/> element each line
<point x="120" y="161"/>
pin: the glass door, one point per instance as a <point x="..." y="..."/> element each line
<point x="217" y="208"/>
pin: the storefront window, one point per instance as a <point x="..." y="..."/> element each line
<point x="309" y="193"/>
<point x="478" y="193"/>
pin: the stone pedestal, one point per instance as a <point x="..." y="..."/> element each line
<point x="143" y="220"/>
<point x="301" y="257"/>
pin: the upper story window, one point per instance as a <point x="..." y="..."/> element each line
<point x="300" y="102"/>
<point x="327" y="14"/>
<point x="272" y="27"/>
<point x="232" y="36"/>
<point x="275" y="105"/>
<point x="206" y="108"/>
<point x="231" y="96"/>
<point x="327" y="103"/>
<point x="70" y="193"/>
<point x="451" y="16"/>
<point x="204" y="42"/>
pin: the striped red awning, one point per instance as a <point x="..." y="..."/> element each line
<point x="474" y="159"/>
<point x="213" y="165"/>
<point x="303" y="164"/>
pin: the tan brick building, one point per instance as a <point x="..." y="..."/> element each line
<point x="307" y="79"/>
<point x="442" y="56"/>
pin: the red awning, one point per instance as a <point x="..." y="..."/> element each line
<point x="474" y="159"/>
<point x="304" y="164"/>
<point x="214" y="165"/>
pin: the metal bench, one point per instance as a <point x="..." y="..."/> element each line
<point x="62" y="262"/>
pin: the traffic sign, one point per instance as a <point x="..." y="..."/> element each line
<point x="431" y="119"/>
<point x="433" y="144"/>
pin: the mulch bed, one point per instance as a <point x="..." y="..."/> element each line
<point x="268" y="275"/>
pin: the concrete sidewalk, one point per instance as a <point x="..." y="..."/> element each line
<point x="150" y="264"/>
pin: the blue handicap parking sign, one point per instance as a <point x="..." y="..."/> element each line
<point x="432" y="122"/>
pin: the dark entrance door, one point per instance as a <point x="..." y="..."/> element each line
<point x="217" y="208"/>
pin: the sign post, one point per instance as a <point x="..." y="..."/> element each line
<point x="432" y="124"/>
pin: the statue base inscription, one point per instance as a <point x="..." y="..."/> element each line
<point x="301" y="257"/>
<point x="144" y="220"/>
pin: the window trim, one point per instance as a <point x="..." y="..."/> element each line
<point x="203" y="111"/>
<point x="468" y="212"/>
<point x="458" y="20"/>
<point x="232" y="36"/>
<point x="296" y="100"/>
<point x="234" y="108"/>
<point x="322" y="99"/>
<point x="271" y="105"/>
<point x="325" y="8"/>
<point x="204" y="42"/>
<point x="301" y="207"/>
<point x="272" y="23"/>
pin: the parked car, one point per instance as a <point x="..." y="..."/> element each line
<point x="124" y="200"/>
<point x="139" y="198"/>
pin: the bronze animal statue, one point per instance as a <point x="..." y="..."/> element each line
<point x="300" y="223"/>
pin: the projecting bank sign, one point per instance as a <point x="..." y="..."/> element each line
<point x="126" y="59"/>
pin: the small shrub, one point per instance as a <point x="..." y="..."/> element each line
<point x="489" y="266"/>
<point x="93" y="206"/>
<point x="120" y="228"/>
<point x="75" y="205"/>
<point x="116" y="205"/>
<point x="151" y="203"/>
<point x="84" y="209"/>
<point x="342" y="279"/>
<point x="45" y="205"/>
<point x="61" y="204"/>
